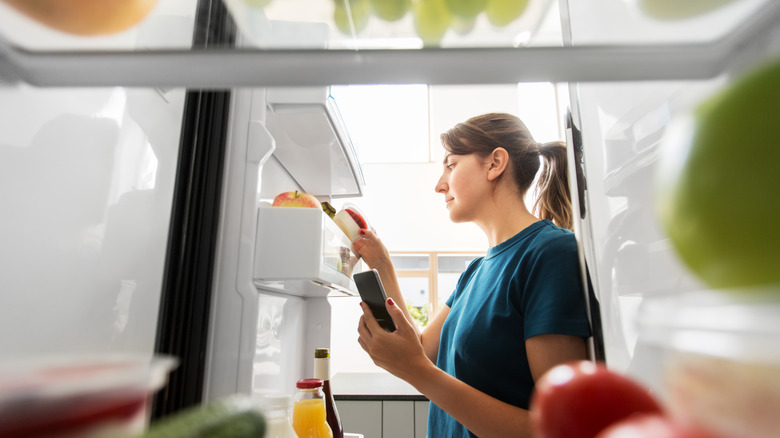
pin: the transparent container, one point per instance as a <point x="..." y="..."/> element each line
<point x="720" y="358"/>
<point x="276" y="408"/>
<point x="309" y="415"/>
<point x="79" y="396"/>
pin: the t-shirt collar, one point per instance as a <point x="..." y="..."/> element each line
<point x="525" y="232"/>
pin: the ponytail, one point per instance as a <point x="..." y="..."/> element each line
<point x="553" y="200"/>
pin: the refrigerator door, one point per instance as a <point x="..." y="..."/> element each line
<point x="623" y="126"/>
<point x="86" y="184"/>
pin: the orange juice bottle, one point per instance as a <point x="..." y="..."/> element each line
<point x="309" y="417"/>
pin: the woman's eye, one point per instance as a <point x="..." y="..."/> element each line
<point x="449" y="166"/>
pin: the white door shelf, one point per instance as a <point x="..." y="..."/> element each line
<point x="301" y="251"/>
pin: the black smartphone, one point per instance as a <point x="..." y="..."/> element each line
<point x="373" y="293"/>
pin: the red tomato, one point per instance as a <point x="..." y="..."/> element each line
<point x="580" y="399"/>
<point x="651" y="426"/>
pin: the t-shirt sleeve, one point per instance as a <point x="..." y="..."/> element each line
<point x="464" y="276"/>
<point x="553" y="299"/>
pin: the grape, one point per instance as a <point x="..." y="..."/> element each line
<point x="466" y="8"/>
<point x="361" y="12"/>
<point x="502" y="12"/>
<point x="463" y="26"/>
<point x="391" y="10"/>
<point x="431" y="20"/>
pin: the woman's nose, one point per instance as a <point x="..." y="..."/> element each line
<point x="441" y="185"/>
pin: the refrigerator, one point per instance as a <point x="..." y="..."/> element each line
<point x="137" y="168"/>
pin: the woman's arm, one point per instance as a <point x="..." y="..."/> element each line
<point x="376" y="256"/>
<point x="403" y="355"/>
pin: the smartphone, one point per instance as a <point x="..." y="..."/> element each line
<point x="373" y="293"/>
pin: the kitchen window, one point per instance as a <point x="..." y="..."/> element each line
<point x="428" y="278"/>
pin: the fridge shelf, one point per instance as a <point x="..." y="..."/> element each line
<point x="158" y="61"/>
<point x="301" y="251"/>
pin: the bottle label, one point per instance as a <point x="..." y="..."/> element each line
<point x="322" y="369"/>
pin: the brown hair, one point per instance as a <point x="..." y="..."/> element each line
<point x="482" y="134"/>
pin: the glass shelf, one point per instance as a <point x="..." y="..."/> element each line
<point x="298" y="42"/>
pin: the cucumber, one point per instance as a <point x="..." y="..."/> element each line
<point x="231" y="417"/>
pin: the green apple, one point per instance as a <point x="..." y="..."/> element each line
<point x="431" y="20"/>
<point x="360" y="11"/>
<point x="719" y="198"/>
<point x="679" y="9"/>
<point x="502" y="12"/>
<point x="466" y="8"/>
<point x="391" y="10"/>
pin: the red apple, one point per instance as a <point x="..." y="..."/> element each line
<point x="296" y="199"/>
<point x="579" y="399"/>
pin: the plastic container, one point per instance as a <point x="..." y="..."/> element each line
<point x="301" y="244"/>
<point x="79" y="396"/>
<point x="721" y="358"/>
<point x="276" y="408"/>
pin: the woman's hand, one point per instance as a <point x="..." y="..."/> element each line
<point x="373" y="251"/>
<point x="399" y="352"/>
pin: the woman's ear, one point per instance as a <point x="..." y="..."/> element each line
<point x="497" y="163"/>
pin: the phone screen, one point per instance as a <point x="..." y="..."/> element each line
<point x="373" y="293"/>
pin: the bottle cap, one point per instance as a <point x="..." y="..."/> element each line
<point x="309" y="383"/>
<point x="321" y="353"/>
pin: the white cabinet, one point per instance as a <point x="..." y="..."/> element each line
<point x="361" y="416"/>
<point x="421" y="418"/>
<point x="397" y="419"/>
<point x="384" y="418"/>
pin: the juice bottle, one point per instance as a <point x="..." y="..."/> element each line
<point x="309" y="417"/>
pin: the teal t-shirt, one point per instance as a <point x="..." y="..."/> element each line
<point x="526" y="286"/>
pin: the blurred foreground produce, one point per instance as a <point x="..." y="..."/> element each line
<point x="236" y="416"/>
<point x="432" y="18"/>
<point x="719" y="199"/>
<point x="580" y="399"/>
<point x="351" y="16"/>
<point x="502" y="12"/>
<point x="85" y="17"/>
<point x="679" y="9"/>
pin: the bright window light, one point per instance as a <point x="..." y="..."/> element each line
<point x="387" y="123"/>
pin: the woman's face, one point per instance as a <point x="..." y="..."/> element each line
<point x="464" y="185"/>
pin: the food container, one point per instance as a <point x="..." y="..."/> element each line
<point x="302" y="251"/>
<point x="80" y="396"/>
<point x="721" y="358"/>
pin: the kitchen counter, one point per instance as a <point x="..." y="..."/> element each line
<point x="372" y="386"/>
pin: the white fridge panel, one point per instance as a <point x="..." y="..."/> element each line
<point x="86" y="183"/>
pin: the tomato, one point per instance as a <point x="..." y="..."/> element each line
<point x="85" y="17"/>
<point x="652" y="426"/>
<point x="579" y="399"/>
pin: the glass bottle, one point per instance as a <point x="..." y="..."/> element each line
<point x="309" y="418"/>
<point x="322" y="371"/>
<point x="276" y="408"/>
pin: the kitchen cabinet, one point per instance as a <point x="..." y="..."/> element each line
<point x="390" y="418"/>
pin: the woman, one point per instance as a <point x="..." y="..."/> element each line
<point x="516" y="312"/>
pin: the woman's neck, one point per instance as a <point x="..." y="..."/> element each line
<point x="505" y="217"/>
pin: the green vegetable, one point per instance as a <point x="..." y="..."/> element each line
<point x="232" y="417"/>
